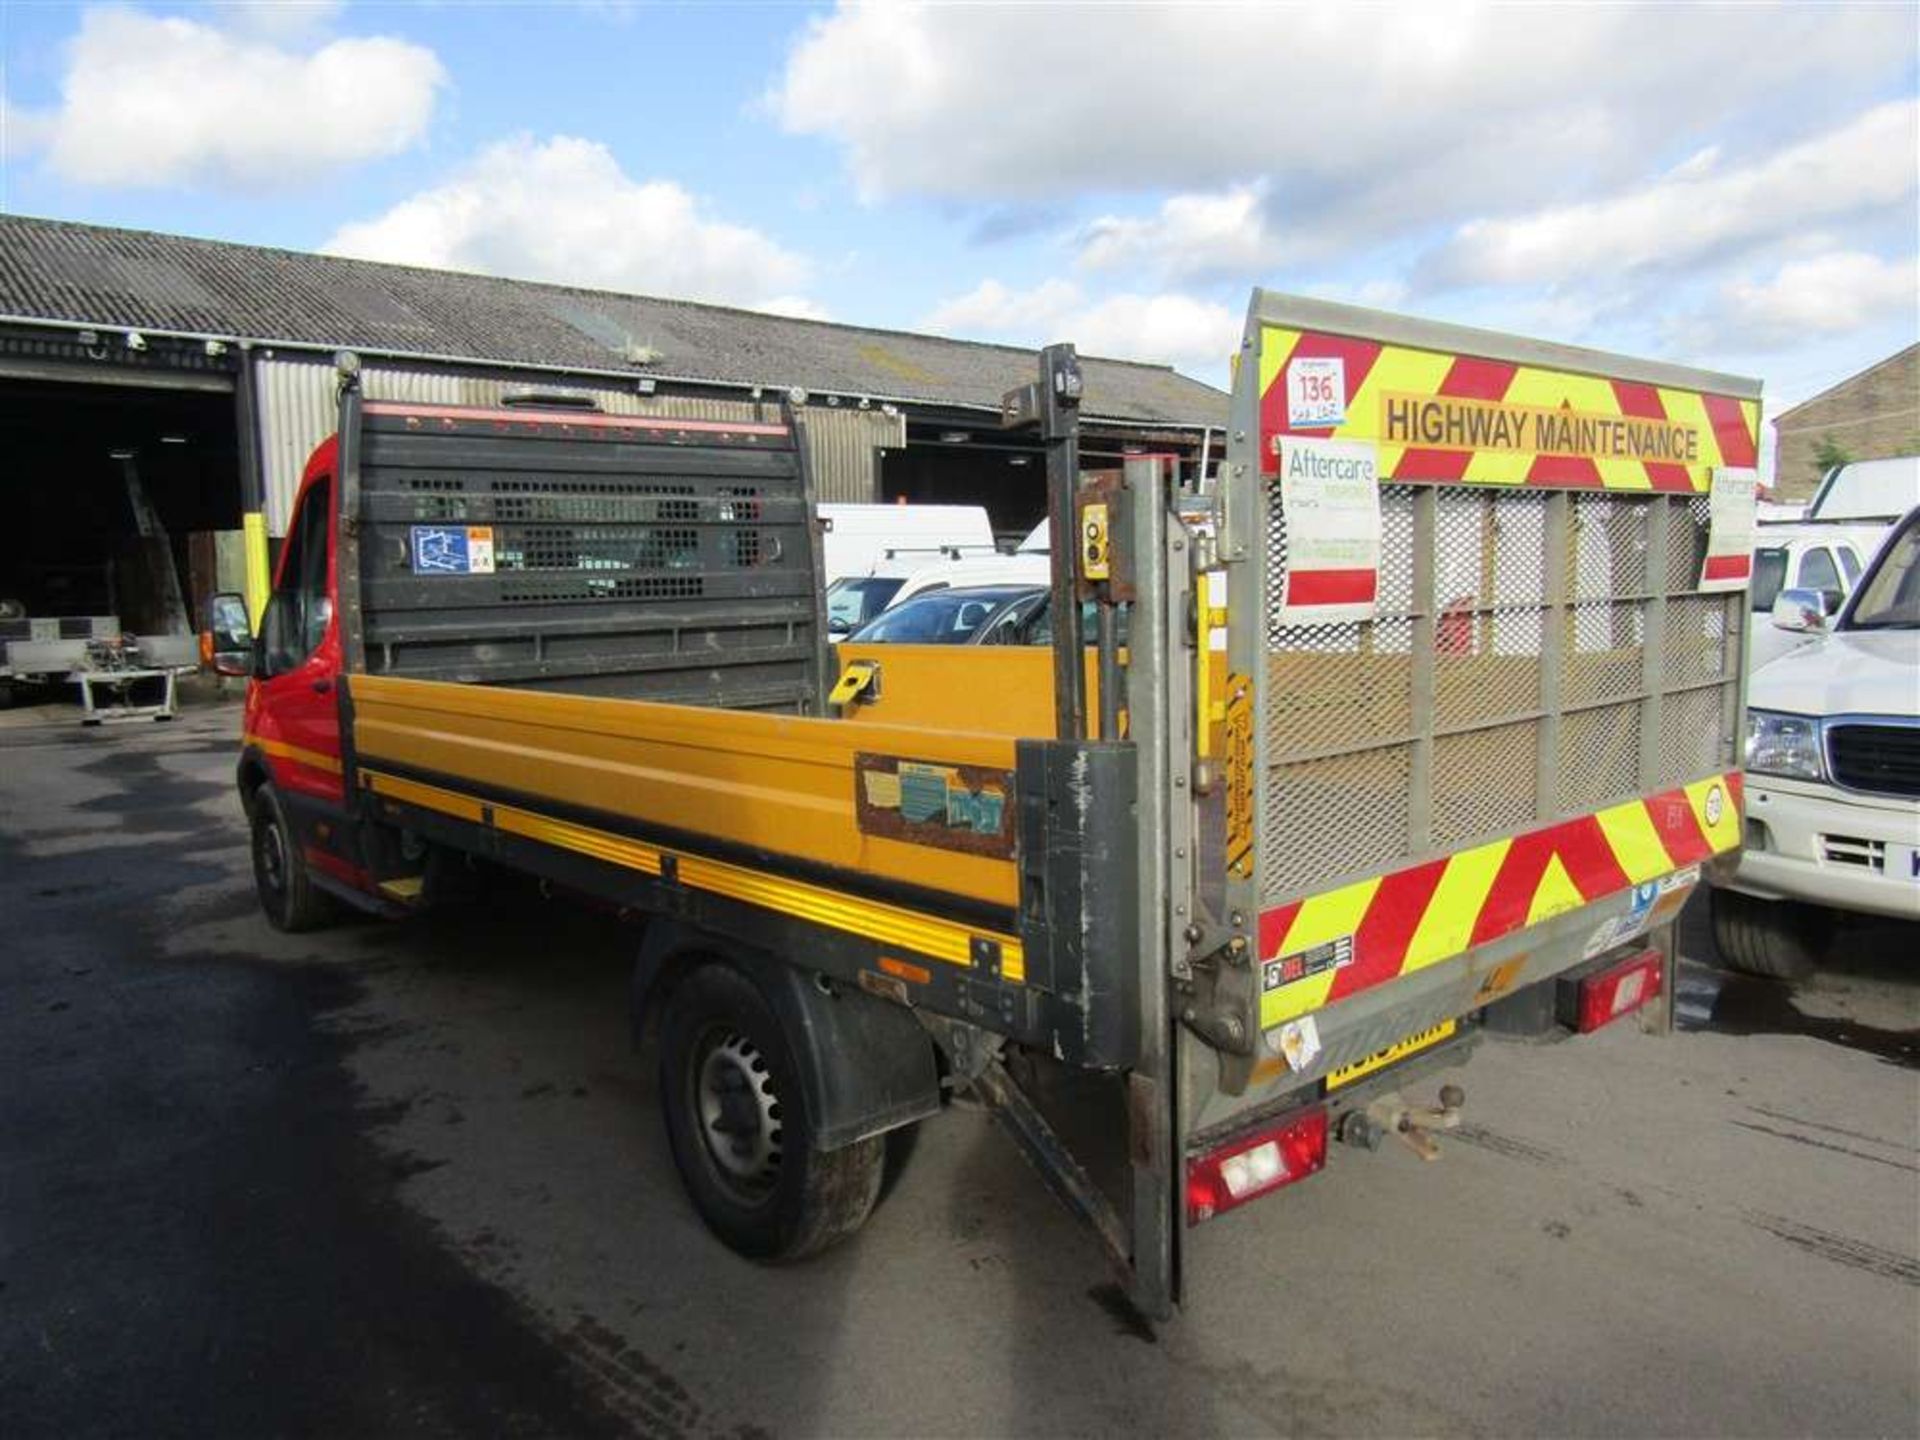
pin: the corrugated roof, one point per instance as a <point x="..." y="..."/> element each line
<point x="90" y="274"/>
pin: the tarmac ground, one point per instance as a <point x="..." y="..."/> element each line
<point x="409" y="1178"/>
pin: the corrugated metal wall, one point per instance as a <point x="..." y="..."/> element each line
<point x="844" y="449"/>
<point x="297" y="413"/>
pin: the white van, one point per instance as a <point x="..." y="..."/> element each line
<point x="870" y="539"/>
<point x="1882" y="490"/>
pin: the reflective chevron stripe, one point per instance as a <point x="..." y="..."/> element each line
<point x="1326" y="947"/>
<point x="1457" y="418"/>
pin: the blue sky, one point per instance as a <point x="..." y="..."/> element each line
<point x="1733" y="187"/>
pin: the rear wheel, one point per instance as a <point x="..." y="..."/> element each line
<point x="287" y="895"/>
<point x="730" y="1090"/>
<point x="1780" y="939"/>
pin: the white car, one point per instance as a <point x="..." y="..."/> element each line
<point x="1833" y="771"/>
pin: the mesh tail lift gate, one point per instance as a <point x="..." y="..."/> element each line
<point x="1495" y="673"/>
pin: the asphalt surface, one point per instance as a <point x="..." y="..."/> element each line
<point x="410" y="1179"/>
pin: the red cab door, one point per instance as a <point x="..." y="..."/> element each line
<point x="293" y="713"/>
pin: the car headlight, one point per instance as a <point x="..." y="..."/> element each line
<point x="1787" y="745"/>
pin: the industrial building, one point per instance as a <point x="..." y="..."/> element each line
<point x="153" y="381"/>
<point x="1872" y="415"/>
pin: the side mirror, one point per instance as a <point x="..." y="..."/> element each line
<point x="227" y="642"/>
<point x="1805" y="611"/>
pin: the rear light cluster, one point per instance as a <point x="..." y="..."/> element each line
<point x="1256" y="1164"/>
<point x="1604" y="996"/>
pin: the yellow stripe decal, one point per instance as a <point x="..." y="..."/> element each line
<point x="1635" y="842"/>
<point x="1713" y="807"/>
<point x="281" y="750"/>
<point x="1447" y="927"/>
<point x="870" y="919"/>
<point x="430" y="797"/>
<point x="1325" y="917"/>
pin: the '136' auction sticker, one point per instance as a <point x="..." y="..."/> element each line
<point x="1317" y="392"/>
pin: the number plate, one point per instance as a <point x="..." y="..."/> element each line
<point x="1399" y="1050"/>
<point x="1903" y="862"/>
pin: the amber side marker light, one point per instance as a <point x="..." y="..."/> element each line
<point x="1256" y="1164"/>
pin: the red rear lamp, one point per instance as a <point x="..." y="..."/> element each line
<point x="1607" y="994"/>
<point x="1256" y="1164"/>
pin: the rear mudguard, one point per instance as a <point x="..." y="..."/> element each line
<point x="866" y="1066"/>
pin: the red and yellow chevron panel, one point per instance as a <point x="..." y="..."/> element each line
<point x="1326" y="947"/>
<point x="1458" y="418"/>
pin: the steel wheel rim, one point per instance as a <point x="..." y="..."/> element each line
<point x="737" y="1112"/>
<point x="273" y="858"/>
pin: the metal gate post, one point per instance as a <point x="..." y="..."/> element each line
<point x="346" y="494"/>
<point x="1154" y="1148"/>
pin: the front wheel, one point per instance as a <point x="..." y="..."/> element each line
<point x="1780" y="939"/>
<point x="287" y="894"/>
<point x="730" y="1090"/>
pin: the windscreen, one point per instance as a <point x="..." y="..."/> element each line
<point x="945" y="617"/>
<point x="1769" y="577"/>
<point x="1891" y="600"/>
<point x="851" y="603"/>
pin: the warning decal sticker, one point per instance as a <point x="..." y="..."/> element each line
<point x="451" y="549"/>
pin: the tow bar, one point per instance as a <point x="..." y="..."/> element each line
<point x="1390" y="1114"/>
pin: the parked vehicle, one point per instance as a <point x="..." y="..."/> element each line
<point x="854" y="602"/>
<point x="949" y="616"/>
<point x="1881" y="490"/>
<point x="897" y="539"/>
<point x="1247" y="875"/>
<point x="1797" y="557"/>
<point x="1833" y="765"/>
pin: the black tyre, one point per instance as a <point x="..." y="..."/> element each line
<point x="280" y="875"/>
<point x="1779" y="939"/>
<point x="739" y="1131"/>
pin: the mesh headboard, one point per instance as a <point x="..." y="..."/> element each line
<point x="650" y="558"/>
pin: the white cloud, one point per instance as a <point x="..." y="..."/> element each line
<point x="1191" y="235"/>
<point x="1362" y="124"/>
<point x="1807" y="301"/>
<point x="147" y="101"/>
<point x="1699" y="210"/>
<point x="564" y="211"/>
<point x="280" y="19"/>
<point x="795" y="307"/>
<point x="1167" y="329"/>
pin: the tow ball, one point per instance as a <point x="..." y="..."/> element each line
<point x="1414" y="1125"/>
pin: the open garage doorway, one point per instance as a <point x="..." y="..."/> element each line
<point x="123" y="509"/>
